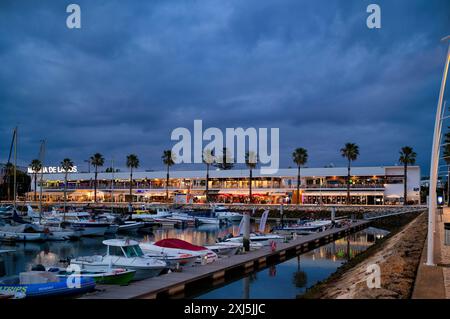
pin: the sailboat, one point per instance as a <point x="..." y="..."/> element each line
<point x="55" y="230"/>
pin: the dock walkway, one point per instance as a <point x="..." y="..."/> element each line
<point x="177" y="284"/>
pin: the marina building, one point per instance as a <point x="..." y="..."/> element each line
<point x="368" y="186"/>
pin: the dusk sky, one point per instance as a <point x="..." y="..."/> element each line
<point x="136" y="70"/>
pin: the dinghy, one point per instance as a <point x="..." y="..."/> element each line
<point x="34" y="284"/>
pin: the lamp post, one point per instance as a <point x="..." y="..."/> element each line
<point x="435" y="163"/>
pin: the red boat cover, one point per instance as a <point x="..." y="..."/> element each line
<point x="179" y="244"/>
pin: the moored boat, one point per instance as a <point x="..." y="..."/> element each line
<point x="263" y="239"/>
<point x="22" y="232"/>
<point x="121" y="253"/>
<point x="178" y="246"/>
<point x="116" y="276"/>
<point x="34" y="284"/>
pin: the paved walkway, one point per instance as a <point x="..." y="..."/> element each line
<point x="433" y="282"/>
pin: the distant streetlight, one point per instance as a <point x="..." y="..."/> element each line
<point x="432" y="203"/>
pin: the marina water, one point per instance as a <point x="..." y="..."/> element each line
<point x="285" y="280"/>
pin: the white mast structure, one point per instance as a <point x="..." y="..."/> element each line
<point x="432" y="199"/>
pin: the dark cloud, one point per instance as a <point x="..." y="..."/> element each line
<point x="139" y="69"/>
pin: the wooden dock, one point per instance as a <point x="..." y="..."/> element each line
<point x="178" y="284"/>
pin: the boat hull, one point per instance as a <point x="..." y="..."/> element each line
<point x="91" y="231"/>
<point x="12" y="236"/>
<point x="51" y="289"/>
<point x="106" y="278"/>
<point x="142" y="272"/>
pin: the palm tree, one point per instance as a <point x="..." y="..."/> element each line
<point x="36" y="166"/>
<point x="168" y="159"/>
<point x="407" y="156"/>
<point x="97" y="160"/>
<point x="208" y="159"/>
<point x="300" y="157"/>
<point x="224" y="162"/>
<point x="350" y="152"/>
<point x="67" y="166"/>
<point x="132" y="162"/>
<point x="251" y="160"/>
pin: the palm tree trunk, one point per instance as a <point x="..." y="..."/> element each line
<point x="298" y="185"/>
<point x="35" y="187"/>
<point x="250" y="186"/>
<point x="348" y="182"/>
<point x="95" y="185"/>
<point x="65" y="196"/>
<point x="131" y="186"/>
<point x="167" y="184"/>
<point x="405" y="184"/>
<point x="207" y="183"/>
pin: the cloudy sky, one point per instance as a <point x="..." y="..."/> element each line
<point x="138" y="69"/>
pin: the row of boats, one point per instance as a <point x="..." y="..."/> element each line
<point x="56" y="225"/>
<point x="124" y="260"/>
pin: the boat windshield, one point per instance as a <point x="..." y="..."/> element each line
<point x="133" y="251"/>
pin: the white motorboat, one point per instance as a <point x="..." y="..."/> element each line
<point x="130" y="226"/>
<point x="59" y="233"/>
<point x="223" y="214"/>
<point x="179" y="247"/>
<point x="23" y="232"/>
<point x="238" y="245"/>
<point x="6" y="212"/>
<point x="311" y="227"/>
<point x="121" y="253"/>
<point x="150" y="215"/>
<point x="263" y="239"/>
<point x="172" y="258"/>
<point x="224" y="250"/>
<point x="207" y="220"/>
<point x="82" y="221"/>
<point x="183" y="218"/>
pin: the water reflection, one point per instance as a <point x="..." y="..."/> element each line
<point x="51" y="253"/>
<point x="285" y="280"/>
<point x="294" y="276"/>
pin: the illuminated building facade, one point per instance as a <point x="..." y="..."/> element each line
<point x="369" y="186"/>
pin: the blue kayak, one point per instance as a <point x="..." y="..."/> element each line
<point x="50" y="289"/>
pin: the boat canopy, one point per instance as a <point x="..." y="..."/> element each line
<point x="178" y="244"/>
<point x="120" y="242"/>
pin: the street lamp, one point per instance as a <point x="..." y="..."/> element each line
<point x="435" y="163"/>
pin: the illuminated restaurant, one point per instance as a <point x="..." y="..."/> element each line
<point x="368" y="185"/>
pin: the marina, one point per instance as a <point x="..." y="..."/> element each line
<point x="229" y="152"/>
<point x="175" y="284"/>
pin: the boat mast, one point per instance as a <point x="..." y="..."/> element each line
<point x="42" y="158"/>
<point x="15" y="168"/>
<point x="112" y="186"/>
